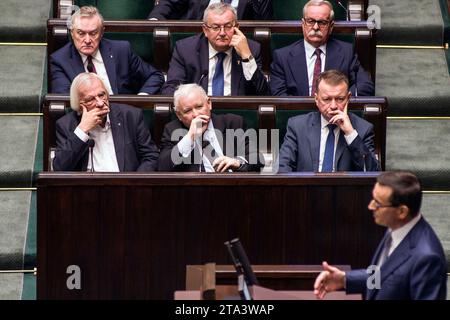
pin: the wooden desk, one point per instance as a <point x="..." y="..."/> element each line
<point x="132" y="235"/>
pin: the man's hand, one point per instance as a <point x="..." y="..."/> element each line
<point x="92" y="118"/>
<point x="223" y="163"/>
<point x="198" y="126"/>
<point x="331" y="279"/>
<point x="342" y="119"/>
<point x="239" y="42"/>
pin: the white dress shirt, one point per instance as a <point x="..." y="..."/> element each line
<point x="104" y="152"/>
<point x="97" y="60"/>
<point x="248" y="68"/>
<point x="323" y="140"/>
<point x="234" y="3"/>
<point x="311" y="57"/>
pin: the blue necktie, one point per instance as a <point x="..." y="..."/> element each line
<point x="386" y="248"/>
<point x="327" y="165"/>
<point x="217" y="81"/>
<point x="227" y="1"/>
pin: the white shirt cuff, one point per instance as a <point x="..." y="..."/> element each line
<point x="143" y="94"/>
<point x="249" y="69"/>
<point x="352" y="136"/>
<point x="185" y="146"/>
<point x="81" y="134"/>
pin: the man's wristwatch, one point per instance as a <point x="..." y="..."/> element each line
<point x="248" y="59"/>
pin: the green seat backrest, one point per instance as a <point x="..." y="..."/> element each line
<point x="120" y="9"/>
<point x="293" y="9"/>
<point x="284" y="115"/>
<point x="141" y="42"/>
<point x="250" y="116"/>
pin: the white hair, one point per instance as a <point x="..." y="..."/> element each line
<point x="85" y="12"/>
<point x="319" y="3"/>
<point x="219" y="8"/>
<point x="184" y="90"/>
<point x="83" y="79"/>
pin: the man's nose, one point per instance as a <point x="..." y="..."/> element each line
<point x="99" y="102"/>
<point x="333" y="104"/>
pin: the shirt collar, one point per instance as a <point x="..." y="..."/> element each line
<point x="399" y="234"/>
<point x="323" y="122"/>
<point x="96" y="57"/>
<point x="310" y="50"/>
<point x="212" y="52"/>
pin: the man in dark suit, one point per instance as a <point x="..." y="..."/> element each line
<point x="294" y="68"/>
<point x="97" y="136"/>
<point x="203" y="142"/>
<point x="121" y="70"/>
<point x="193" y="9"/>
<point x="409" y="263"/>
<point x="222" y="53"/>
<point x="350" y="138"/>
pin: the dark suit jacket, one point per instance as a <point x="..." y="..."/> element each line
<point x="190" y="62"/>
<point x="221" y="123"/>
<point x="289" y="73"/>
<point x="127" y="73"/>
<point x="135" y="151"/>
<point x="193" y="10"/>
<point x="300" y="150"/>
<point x="416" y="269"/>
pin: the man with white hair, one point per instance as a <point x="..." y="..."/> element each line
<point x="99" y="136"/>
<point x="295" y="68"/>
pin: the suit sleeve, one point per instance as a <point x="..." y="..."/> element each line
<point x="147" y="151"/>
<point x="356" y="281"/>
<point x="428" y="278"/>
<point x="169" y="148"/>
<point x="169" y="9"/>
<point x="145" y="74"/>
<point x="258" y="79"/>
<point x="60" y="82"/>
<point x="363" y="151"/>
<point x="176" y="74"/>
<point x="277" y="76"/>
<point x="362" y="78"/>
<point x="263" y="9"/>
<point x="70" y="150"/>
<point x="287" y="158"/>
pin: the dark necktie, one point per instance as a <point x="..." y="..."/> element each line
<point x="317" y="70"/>
<point x="208" y="151"/>
<point x="327" y="165"/>
<point x="227" y="1"/>
<point x="386" y="248"/>
<point x="90" y="65"/>
<point x="218" y="81"/>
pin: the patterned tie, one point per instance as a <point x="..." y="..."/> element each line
<point x="218" y="81"/>
<point x="90" y="65"/>
<point x="327" y="165"/>
<point x="386" y="248"/>
<point x="209" y="152"/>
<point x="317" y="70"/>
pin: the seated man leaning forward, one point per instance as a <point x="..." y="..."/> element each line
<point x="332" y="139"/>
<point x="203" y="142"/>
<point x="99" y="136"/>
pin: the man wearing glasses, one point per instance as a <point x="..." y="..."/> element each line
<point x="295" y="68"/>
<point x="409" y="262"/>
<point x="99" y="136"/>
<point x="332" y="139"/>
<point x="221" y="59"/>
<point x="121" y="70"/>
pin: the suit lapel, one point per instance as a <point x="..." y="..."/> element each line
<point x="110" y="66"/>
<point x="334" y="58"/>
<point x="203" y="61"/>
<point x="298" y="68"/>
<point x="314" y="140"/>
<point x="236" y="73"/>
<point x="76" y="62"/>
<point x="116" y="119"/>
<point x="341" y="145"/>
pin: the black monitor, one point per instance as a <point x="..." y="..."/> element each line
<point x="246" y="276"/>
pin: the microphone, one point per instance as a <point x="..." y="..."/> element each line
<point x="204" y="74"/>
<point x="91" y="144"/>
<point x="343" y="7"/>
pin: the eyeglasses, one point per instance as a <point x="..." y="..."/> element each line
<point x="379" y="205"/>
<point x="321" y="23"/>
<point x="92" y="99"/>
<point x="216" y="28"/>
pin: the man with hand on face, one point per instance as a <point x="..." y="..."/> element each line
<point x="199" y="141"/>
<point x="221" y="59"/>
<point x="409" y="262"/>
<point x="122" y="71"/>
<point x="295" y="68"/>
<point x="122" y="141"/>
<point x="332" y="139"/>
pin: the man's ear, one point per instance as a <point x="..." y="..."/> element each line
<point x="403" y="212"/>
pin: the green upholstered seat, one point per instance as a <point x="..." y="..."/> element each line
<point x="120" y="9"/>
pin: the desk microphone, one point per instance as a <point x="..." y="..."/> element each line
<point x="343" y="7"/>
<point x="91" y="144"/>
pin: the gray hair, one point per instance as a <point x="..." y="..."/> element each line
<point x="85" y="12"/>
<point x="319" y="3"/>
<point x="83" y="79"/>
<point x="219" y="8"/>
<point x="184" y="90"/>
